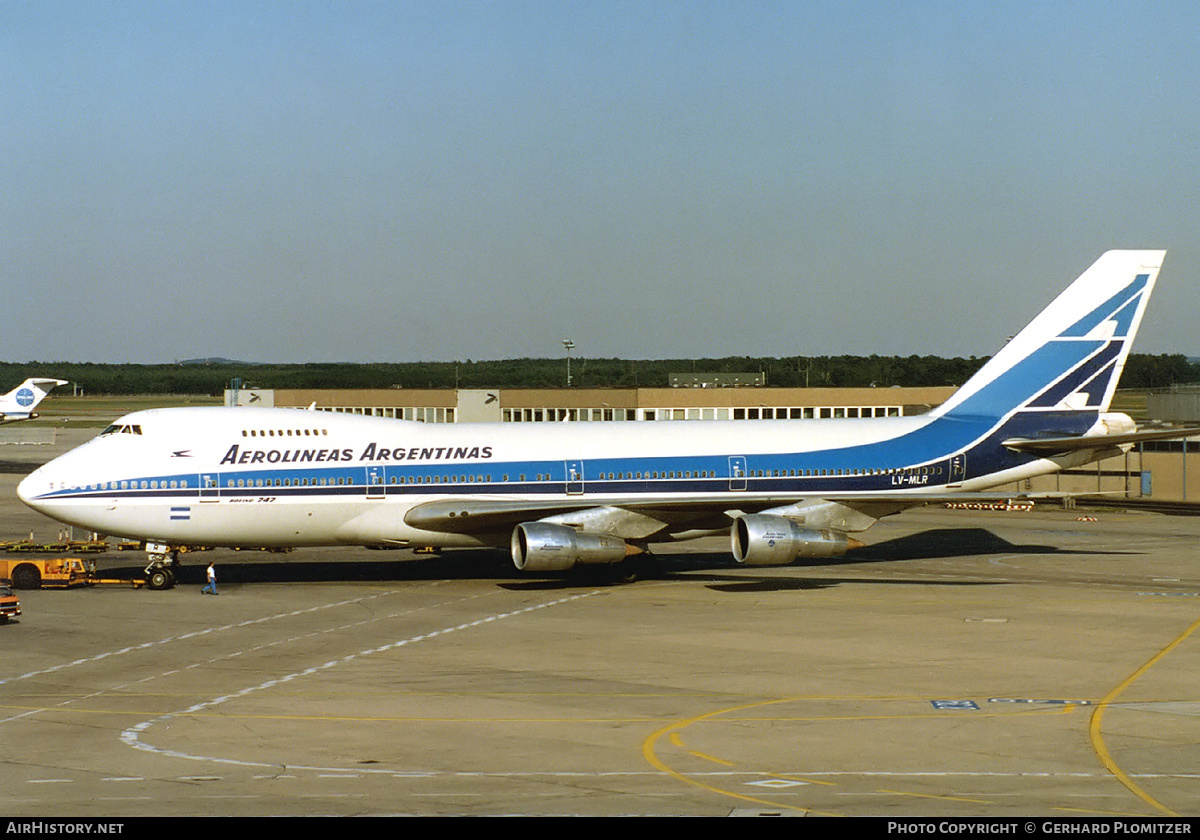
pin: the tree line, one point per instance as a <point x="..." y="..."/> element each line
<point x="213" y="377"/>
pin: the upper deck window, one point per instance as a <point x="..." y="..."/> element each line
<point x="282" y="432"/>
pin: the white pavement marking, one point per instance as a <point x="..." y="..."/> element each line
<point x="132" y="736"/>
<point x="62" y="666"/>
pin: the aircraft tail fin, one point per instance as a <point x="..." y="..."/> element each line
<point x="22" y="400"/>
<point x="1070" y="357"/>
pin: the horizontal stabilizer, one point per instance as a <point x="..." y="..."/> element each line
<point x="1048" y="446"/>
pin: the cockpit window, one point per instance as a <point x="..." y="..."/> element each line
<point x="122" y="429"/>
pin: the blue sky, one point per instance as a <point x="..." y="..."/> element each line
<point x="477" y="180"/>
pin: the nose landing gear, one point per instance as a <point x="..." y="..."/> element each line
<point x="160" y="572"/>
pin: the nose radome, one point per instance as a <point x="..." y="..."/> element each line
<point x="32" y="487"/>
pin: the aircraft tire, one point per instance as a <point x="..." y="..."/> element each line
<point x="160" y="579"/>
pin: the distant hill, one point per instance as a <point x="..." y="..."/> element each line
<point x="217" y="360"/>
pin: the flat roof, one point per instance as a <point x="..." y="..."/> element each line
<point x="618" y="397"/>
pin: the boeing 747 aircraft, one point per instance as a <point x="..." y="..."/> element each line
<point x="562" y="494"/>
<point x="19" y="403"/>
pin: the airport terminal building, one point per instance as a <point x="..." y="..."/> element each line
<point x="1159" y="470"/>
<point x="553" y="405"/>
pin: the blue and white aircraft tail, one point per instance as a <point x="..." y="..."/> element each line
<point x="19" y="403"/>
<point x="565" y="494"/>
<point x="1070" y="357"/>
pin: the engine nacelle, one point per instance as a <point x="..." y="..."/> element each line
<point x="546" y="547"/>
<point x="760" y="539"/>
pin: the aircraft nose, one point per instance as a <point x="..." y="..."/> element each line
<point x="32" y="488"/>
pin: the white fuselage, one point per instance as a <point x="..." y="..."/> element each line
<point x="284" y="477"/>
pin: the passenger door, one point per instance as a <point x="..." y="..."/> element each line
<point x="574" y="472"/>
<point x="210" y="484"/>
<point x="737" y="472"/>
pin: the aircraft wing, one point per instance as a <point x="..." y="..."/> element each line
<point x="1053" y="446"/>
<point x="643" y="518"/>
<point x="636" y="520"/>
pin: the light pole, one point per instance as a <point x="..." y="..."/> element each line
<point x="569" y="345"/>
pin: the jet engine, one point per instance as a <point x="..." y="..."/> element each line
<point x="547" y="547"/>
<point x="761" y="539"/>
